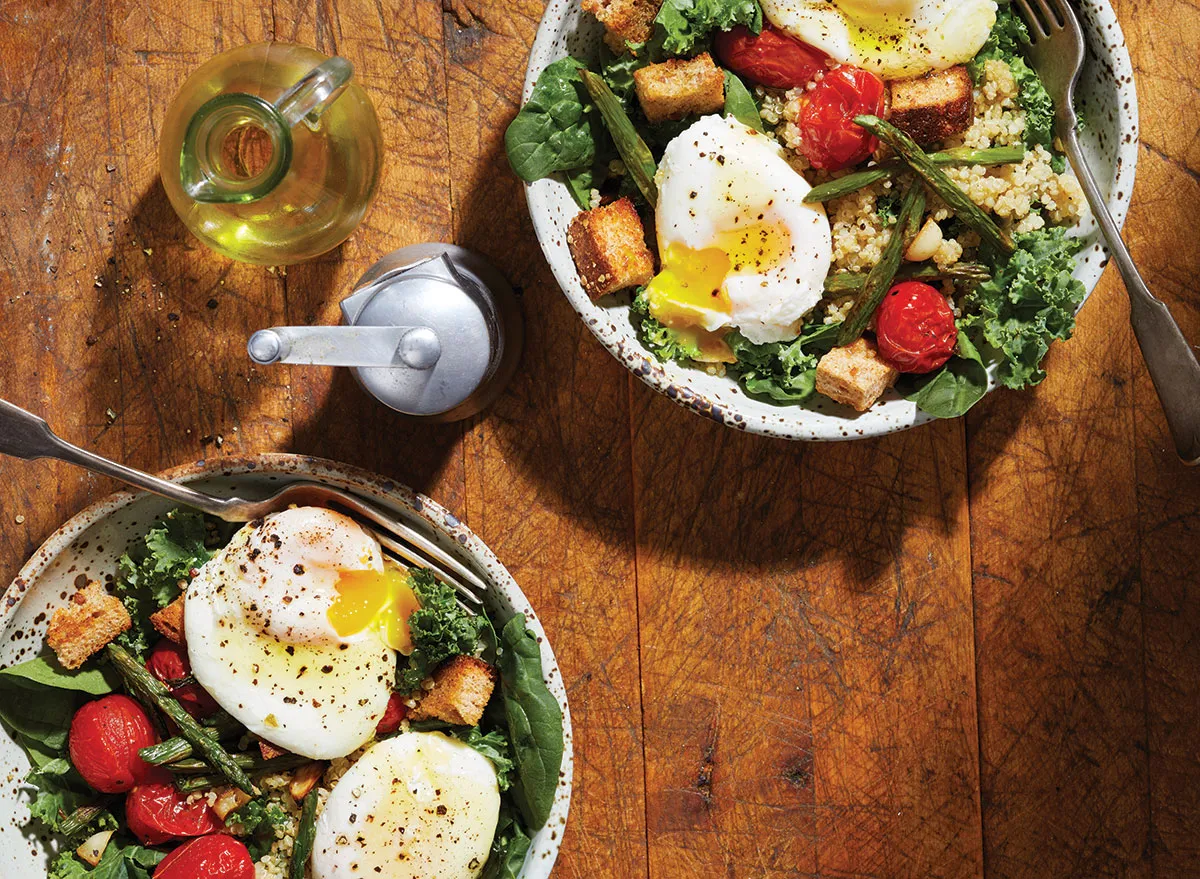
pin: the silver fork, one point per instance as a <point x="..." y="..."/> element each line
<point x="24" y="435"/>
<point x="1057" y="54"/>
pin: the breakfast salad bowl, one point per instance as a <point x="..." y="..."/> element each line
<point x="819" y="221"/>
<point x="247" y="739"/>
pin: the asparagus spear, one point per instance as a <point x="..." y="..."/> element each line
<point x="880" y="278"/>
<point x="843" y="283"/>
<point x="305" y="833"/>
<point x="957" y="156"/>
<point x="634" y="152"/>
<point x="78" y="820"/>
<point x="936" y="179"/>
<point x="250" y="761"/>
<point x="218" y="726"/>
<point x="149" y="689"/>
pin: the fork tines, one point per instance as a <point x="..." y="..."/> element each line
<point x="1052" y="16"/>
<point x="410" y="548"/>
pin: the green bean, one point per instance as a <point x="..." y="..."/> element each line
<point x="149" y="688"/>
<point x="958" y="156"/>
<point x="935" y="178"/>
<point x="305" y="833"/>
<point x="639" y="161"/>
<point x="844" y="283"/>
<point x="880" y="278"/>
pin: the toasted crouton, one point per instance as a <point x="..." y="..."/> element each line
<point x="91" y="620"/>
<point x="933" y="107"/>
<point x="609" y="248"/>
<point x="169" y="621"/>
<point x="625" y="21"/>
<point x="855" y="375"/>
<point x="461" y="689"/>
<point x="675" y="88"/>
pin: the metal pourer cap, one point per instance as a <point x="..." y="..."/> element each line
<point x="432" y="330"/>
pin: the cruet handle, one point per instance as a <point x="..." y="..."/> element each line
<point x="315" y="92"/>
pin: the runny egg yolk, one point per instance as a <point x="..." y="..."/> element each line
<point x="691" y="285"/>
<point x="383" y="599"/>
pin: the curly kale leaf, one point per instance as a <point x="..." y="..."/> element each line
<point x="783" y="371"/>
<point x="664" y="343"/>
<point x="259" y="819"/>
<point x="1007" y="43"/>
<point x="1030" y="301"/>
<point x="149" y="577"/>
<point x="684" y="26"/>
<point x="440" y="629"/>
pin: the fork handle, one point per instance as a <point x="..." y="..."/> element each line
<point x="1171" y="360"/>
<point x="24" y="435"/>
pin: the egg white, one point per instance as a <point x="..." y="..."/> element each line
<point x="896" y="39"/>
<point x="259" y="640"/>
<point x="719" y="177"/>
<point x="420" y="805"/>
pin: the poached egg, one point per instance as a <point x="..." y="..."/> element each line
<point x="738" y="245"/>
<point x="420" y="805"/>
<point x="293" y="628"/>
<point x="896" y="39"/>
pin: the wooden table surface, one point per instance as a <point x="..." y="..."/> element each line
<point x="971" y="649"/>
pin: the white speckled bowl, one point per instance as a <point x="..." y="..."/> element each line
<point x="1108" y="102"/>
<point x="91" y="542"/>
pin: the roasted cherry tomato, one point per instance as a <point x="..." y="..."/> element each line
<point x="169" y="663"/>
<point x="829" y="138"/>
<point x="914" y="328"/>
<point x="156" y="813"/>
<point x="104" y="740"/>
<point x="771" y="58"/>
<point x="396" y="710"/>
<point x="209" y="857"/>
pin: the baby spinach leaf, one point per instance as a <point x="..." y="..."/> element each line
<point x="510" y="845"/>
<point x="45" y="671"/>
<point x="740" y="104"/>
<point x="683" y="26"/>
<point x="121" y="860"/>
<point x="555" y="130"/>
<point x="39" y="714"/>
<point x="956" y="387"/>
<point x="535" y="722"/>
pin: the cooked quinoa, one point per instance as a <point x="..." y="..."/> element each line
<point x="1012" y="193"/>
<point x="276" y="863"/>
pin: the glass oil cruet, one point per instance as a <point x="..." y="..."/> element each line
<point x="270" y="153"/>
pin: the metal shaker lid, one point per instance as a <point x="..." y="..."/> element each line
<point x="433" y="331"/>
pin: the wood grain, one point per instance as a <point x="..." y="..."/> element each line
<point x="547" y="471"/>
<point x="806" y="651"/>
<point x="970" y="650"/>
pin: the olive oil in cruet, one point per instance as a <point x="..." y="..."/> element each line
<point x="271" y="153"/>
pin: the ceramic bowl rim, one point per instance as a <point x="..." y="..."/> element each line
<point x="543" y="853"/>
<point x="798" y="422"/>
